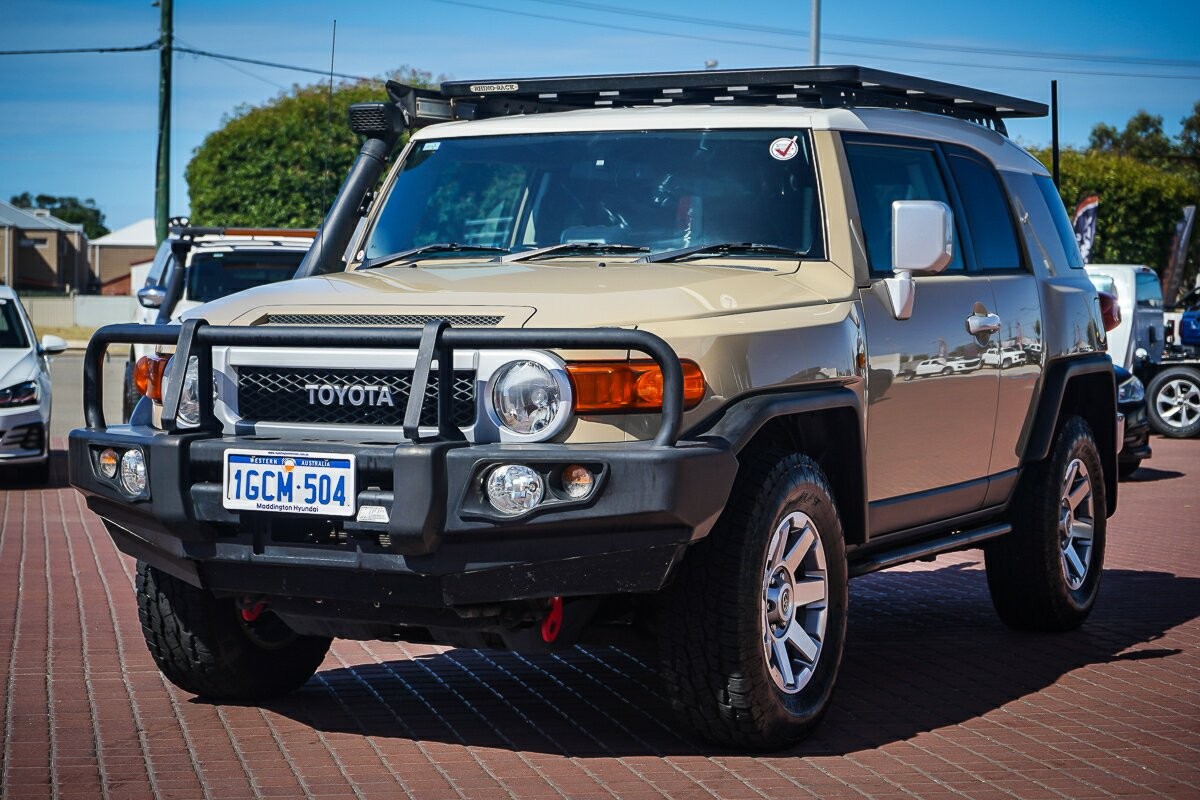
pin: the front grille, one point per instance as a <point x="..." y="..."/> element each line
<point x="395" y="320"/>
<point x="278" y="395"/>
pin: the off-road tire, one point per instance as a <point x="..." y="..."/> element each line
<point x="203" y="646"/>
<point x="712" y="624"/>
<point x="1174" y="383"/>
<point x="1028" y="573"/>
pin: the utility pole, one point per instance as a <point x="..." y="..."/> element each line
<point x="814" y="34"/>
<point x="162" y="186"/>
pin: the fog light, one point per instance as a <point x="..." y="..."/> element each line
<point x="133" y="471"/>
<point x="107" y="463"/>
<point x="513" y="489"/>
<point x="577" y="481"/>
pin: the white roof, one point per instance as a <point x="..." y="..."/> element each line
<point x="1002" y="152"/>
<point x="140" y="234"/>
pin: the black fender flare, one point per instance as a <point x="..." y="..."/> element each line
<point x="1056" y="382"/>
<point x="738" y="422"/>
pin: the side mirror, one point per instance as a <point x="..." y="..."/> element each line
<point x="922" y="241"/>
<point x="151" y="296"/>
<point x="52" y="345"/>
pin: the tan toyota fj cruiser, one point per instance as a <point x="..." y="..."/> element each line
<point x="623" y="353"/>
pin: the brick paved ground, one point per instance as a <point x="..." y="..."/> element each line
<point x="936" y="698"/>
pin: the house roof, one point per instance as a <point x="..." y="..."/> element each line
<point x="140" y="233"/>
<point x="13" y="217"/>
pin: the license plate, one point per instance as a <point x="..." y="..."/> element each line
<point x="295" y="483"/>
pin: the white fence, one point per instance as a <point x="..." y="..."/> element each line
<point x="85" y="311"/>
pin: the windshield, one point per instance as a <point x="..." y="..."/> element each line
<point x="662" y="190"/>
<point x="214" y="275"/>
<point x="12" y="331"/>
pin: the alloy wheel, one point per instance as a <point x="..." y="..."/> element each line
<point x="794" y="602"/>
<point x="1076" y="522"/>
<point x="1178" y="403"/>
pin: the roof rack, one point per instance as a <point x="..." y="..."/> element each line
<point x="186" y="231"/>
<point x="820" y="87"/>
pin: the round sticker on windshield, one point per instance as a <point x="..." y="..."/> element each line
<point x="784" y="149"/>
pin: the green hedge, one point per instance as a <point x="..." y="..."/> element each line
<point x="1139" y="206"/>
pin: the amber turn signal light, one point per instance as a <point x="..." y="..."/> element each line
<point x="148" y="376"/>
<point x="602" y="387"/>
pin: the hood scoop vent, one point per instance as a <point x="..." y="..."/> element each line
<point x="383" y="320"/>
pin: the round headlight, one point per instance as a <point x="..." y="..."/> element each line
<point x="526" y="397"/>
<point x="514" y="489"/>
<point x="133" y="471"/>
<point x="189" y="398"/>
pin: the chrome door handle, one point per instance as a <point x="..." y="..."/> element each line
<point x="979" y="324"/>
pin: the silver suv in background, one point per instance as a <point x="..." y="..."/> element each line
<point x="199" y="264"/>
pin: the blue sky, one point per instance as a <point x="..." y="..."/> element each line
<point x="84" y="125"/>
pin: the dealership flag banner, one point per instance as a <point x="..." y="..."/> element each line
<point x="1085" y="225"/>
<point x="1177" y="257"/>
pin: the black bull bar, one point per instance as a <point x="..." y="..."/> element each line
<point x="437" y="340"/>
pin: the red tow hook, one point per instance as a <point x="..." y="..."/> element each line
<point x="250" y="613"/>
<point x="552" y="624"/>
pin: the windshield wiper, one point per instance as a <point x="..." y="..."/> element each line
<point x="723" y="249"/>
<point x="568" y="248"/>
<point x="440" y="247"/>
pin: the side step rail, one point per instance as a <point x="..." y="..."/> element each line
<point x="958" y="540"/>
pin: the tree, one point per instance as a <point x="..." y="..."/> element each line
<point x="68" y="209"/>
<point x="1144" y="139"/>
<point x="281" y="164"/>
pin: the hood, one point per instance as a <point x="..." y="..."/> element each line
<point x="561" y="293"/>
<point x="17" y="366"/>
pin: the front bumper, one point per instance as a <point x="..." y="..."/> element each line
<point x="433" y="553"/>
<point x="23" y="438"/>
<point x="1135" y="445"/>
<point x="441" y="547"/>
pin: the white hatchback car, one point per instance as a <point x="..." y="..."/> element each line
<point x="24" y="392"/>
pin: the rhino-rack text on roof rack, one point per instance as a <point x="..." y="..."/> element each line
<point x="819" y="87"/>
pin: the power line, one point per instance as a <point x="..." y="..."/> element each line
<point x="224" y="57"/>
<point x="192" y="50"/>
<point x="740" y="43"/>
<point x="236" y="68"/>
<point x="136" y="49"/>
<point x="998" y="51"/>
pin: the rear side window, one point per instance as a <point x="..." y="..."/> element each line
<point x="1044" y="244"/>
<point x="986" y="209"/>
<point x="884" y="173"/>
<point x="1062" y="223"/>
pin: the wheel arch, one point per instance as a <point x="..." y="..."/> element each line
<point x="1086" y="387"/>
<point x="825" y="424"/>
